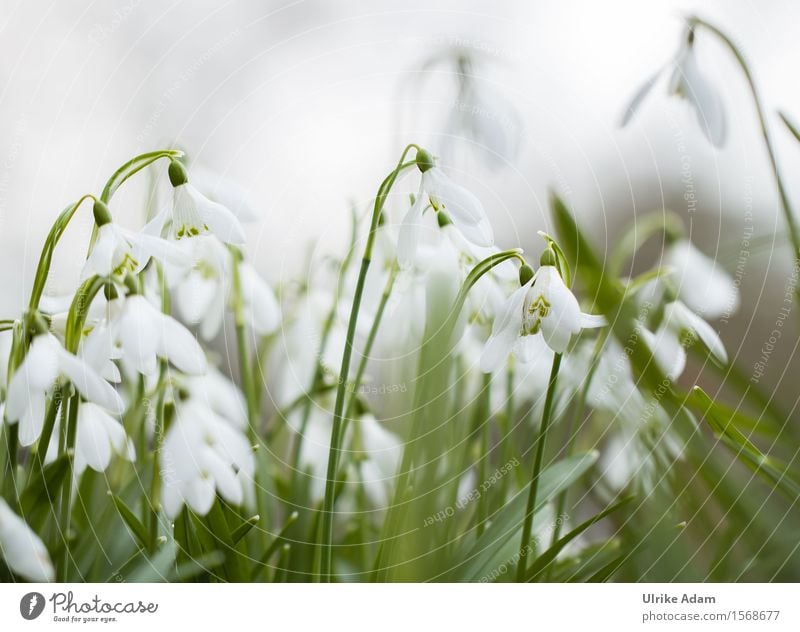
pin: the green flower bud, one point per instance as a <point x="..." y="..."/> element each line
<point x="177" y="173"/>
<point x="443" y="219"/>
<point x="424" y="160"/>
<point x="102" y="215"/>
<point x="525" y="274"/>
<point x="548" y="258"/>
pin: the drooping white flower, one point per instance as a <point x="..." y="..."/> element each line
<point x="226" y="191"/>
<point x="542" y="305"/>
<point x="218" y="393"/>
<point x="45" y="361"/>
<point x="22" y="549"/>
<point x="193" y="214"/>
<point x="145" y="334"/>
<point x="690" y="83"/>
<point x="118" y="250"/>
<point x="202" y="455"/>
<point x="667" y="345"/>
<point x="701" y="283"/>
<point x="462" y="208"/>
<point x="205" y="290"/>
<point x="98" y="436"/>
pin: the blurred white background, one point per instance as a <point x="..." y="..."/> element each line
<point x="307" y="104"/>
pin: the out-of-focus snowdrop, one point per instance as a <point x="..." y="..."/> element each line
<point x="543" y="304"/>
<point x="32" y="382"/>
<point x="219" y="394"/>
<point x="667" y="345"/>
<point x="98" y="437"/>
<point x="373" y="452"/>
<point x="192" y="214"/>
<point x="688" y="82"/>
<point x="203" y="454"/>
<point x="22" y="549"/>
<point x="144" y="334"/>
<point x="462" y="208"/>
<point x="700" y="282"/>
<point x="640" y="440"/>
<point x="204" y="290"/>
<point x="117" y="251"/>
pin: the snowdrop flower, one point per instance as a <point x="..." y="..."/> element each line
<point x="226" y="191"/>
<point x="667" y="345"/>
<point x="202" y="455"/>
<point x="193" y="214"/>
<point x="204" y="290"/>
<point x="145" y="334"/>
<point x="118" y="250"/>
<point x="219" y="394"/>
<point x="99" y="436"/>
<point x="462" y="208"/>
<point x="688" y="82"/>
<point x="45" y="361"/>
<point x="543" y="304"/>
<point x="486" y="120"/>
<point x="701" y="282"/>
<point x="22" y="549"/>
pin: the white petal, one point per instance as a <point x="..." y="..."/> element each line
<point x="89" y="383"/>
<point x="195" y="296"/>
<point x="669" y="354"/>
<point x="91" y="442"/>
<point x="638" y="97"/>
<point x="32" y="421"/>
<point x="101" y="258"/>
<point x="408" y="234"/>
<point x="22" y="549"/>
<point x="199" y="494"/>
<point x="480" y="234"/>
<point x="459" y="204"/>
<point x="706" y="100"/>
<point x="224" y="477"/>
<point x="177" y="343"/>
<point x="260" y="301"/>
<point x="219" y="219"/>
<point x="688" y="319"/>
<point x="137" y="332"/>
<point x="703" y="284"/>
<point x="593" y="321"/>
<point x="505" y="331"/>
<point x="38" y="371"/>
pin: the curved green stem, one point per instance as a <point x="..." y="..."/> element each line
<point x="326" y="528"/>
<point x="533" y="490"/>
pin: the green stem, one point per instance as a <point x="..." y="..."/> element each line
<point x="326" y="531"/>
<point x="66" y="491"/>
<point x="245" y="367"/>
<point x="791" y="222"/>
<point x="537" y="468"/>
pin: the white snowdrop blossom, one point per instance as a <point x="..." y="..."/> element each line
<point x="203" y="454"/>
<point x="99" y="436"/>
<point x="193" y="214"/>
<point x="145" y="334"/>
<point x="260" y="305"/>
<point x="690" y="83"/>
<point x="219" y="394"/>
<point x="462" y="208"/>
<point x="226" y="191"/>
<point x="30" y="385"/>
<point x="667" y="343"/>
<point x="542" y="305"/>
<point x="118" y="250"/>
<point x="22" y="549"/>
<point x="701" y="282"/>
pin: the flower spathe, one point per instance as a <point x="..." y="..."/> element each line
<point x="690" y="83"/>
<point x="22" y="549"/>
<point x="542" y="305"/>
<point x="30" y="385"/>
<point x="461" y="206"/>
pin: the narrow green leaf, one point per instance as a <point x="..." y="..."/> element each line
<point x="541" y="562"/>
<point x="500" y="541"/>
<point x="130" y="519"/>
<point x="243" y="529"/>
